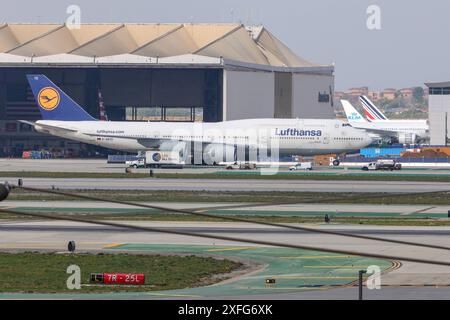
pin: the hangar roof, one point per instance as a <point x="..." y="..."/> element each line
<point x="146" y="43"/>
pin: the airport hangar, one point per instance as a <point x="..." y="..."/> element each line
<point x="155" y="72"/>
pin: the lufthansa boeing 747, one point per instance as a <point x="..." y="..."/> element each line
<point x="63" y="117"/>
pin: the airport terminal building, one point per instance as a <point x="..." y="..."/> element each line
<point x="439" y="113"/>
<point x="155" y="72"/>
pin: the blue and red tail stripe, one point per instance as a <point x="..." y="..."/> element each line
<point x="372" y="109"/>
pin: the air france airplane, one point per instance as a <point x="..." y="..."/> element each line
<point x="406" y="132"/>
<point x="64" y="118"/>
<point x="373" y="114"/>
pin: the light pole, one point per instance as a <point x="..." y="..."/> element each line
<point x="361" y="273"/>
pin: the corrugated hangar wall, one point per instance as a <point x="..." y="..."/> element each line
<point x="306" y="89"/>
<point x="258" y="94"/>
<point x="248" y="94"/>
<point x="283" y="95"/>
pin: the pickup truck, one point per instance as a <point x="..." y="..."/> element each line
<point x="138" y="163"/>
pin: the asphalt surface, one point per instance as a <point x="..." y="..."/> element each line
<point x="223" y="230"/>
<point x="245" y="185"/>
<point x="101" y="165"/>
<point x="385" y="293"/>
<point x="335" y="210"/>
<point x="410" y="281"/>
<point x="55" y="235"/>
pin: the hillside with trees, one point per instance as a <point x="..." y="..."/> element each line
<point x="401" y="107"/>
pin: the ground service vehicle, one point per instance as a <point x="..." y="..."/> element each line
<point x="301" y="166"/>
<point x="155" y="159"/>
<point x="382" y="165"/>
<point x="241" y="166"/>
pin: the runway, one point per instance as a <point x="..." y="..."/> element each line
<point x="296" y="278"/>
<point x="8" y="227"/>
<point x="54" y="235"/>
<point x="241" y="209"/>
<point x="243" y="185"/>
<point x="101" y="166"/>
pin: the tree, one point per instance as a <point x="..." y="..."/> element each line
<point x="418" y="94"/>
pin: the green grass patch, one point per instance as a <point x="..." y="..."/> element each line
<point x="46" y="272"/>
<point x="432" y="198"/>
<point x="324" y="176"/>
<point x="71" y="175"/>
<point x="350" y="176"/>
<point x="382" y="221"/>
<point x="387" y="221"/>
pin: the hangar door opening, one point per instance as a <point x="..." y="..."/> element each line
<point x="170" y="114"/>
<point x="163" y="94"/>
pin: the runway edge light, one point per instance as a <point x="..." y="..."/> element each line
<point x="71" y="246"/>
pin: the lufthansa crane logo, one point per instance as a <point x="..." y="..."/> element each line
<point x="48" y="98"/>
<point x="156" y="157"/>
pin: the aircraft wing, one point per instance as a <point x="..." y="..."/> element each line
<point x="31" y="123"/>
<point x="47" y="126"/>
<point x="153" y="142"/>
<point x="147" y="142"/>
<point x="385" y="133"/>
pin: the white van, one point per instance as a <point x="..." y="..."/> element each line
<point x="301" y="166"/>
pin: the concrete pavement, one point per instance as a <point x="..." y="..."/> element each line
<point x="243" y="185"/>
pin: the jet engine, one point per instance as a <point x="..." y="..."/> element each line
<point x="407" y="138"/>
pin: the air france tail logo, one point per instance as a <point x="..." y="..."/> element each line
<point x="48" y="98"/>
<point x="354" y="116"/>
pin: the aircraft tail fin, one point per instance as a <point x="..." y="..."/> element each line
<point x="53" y="103"/>
<point x="370" y="110"/>
<point x="353" y="116"/>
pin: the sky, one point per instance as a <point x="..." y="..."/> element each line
<point x="411" y="47"/>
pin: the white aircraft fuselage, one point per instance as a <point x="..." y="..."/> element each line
<point x="406" y="131"/>
<point x="290" y="136"/>
<point x="418" y="127"/>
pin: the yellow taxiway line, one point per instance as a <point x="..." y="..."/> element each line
<point x="172" y="295"/>
<point x="336" y="267"/>
<point x="114" y="245"/>
<point x="8" y="208"/>
<point x="311" y="277"/>
<point x="317" y="257"/>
